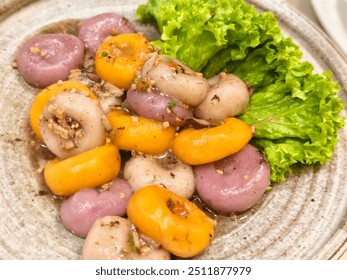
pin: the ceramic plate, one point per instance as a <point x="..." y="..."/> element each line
<point x="301" y="218"/>
<point x="332" y="16"/>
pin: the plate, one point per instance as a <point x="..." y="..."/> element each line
<point x="332" y="16"/>
<point x="301" y="218"/>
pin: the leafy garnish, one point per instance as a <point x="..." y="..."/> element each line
<point x="131" y="243"/>
<point x="171" y="105"/>
<point x="295" y="112"/>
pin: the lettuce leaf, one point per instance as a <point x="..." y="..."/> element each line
<point x="296" y="123"/>
<point x="210" y="25"/>
<point x="295" y="112"/>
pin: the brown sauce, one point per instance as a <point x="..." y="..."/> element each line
<point x="69" y="26"/>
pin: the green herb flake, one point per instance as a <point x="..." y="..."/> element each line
<point x="171" y="104"/>
<point x="137" y="80"/>
<point x="104" y="54"/>
<point x="131" y="243"/>
<point x="144" y="89"/>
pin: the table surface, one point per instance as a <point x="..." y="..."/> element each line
<point x="305" y="7"/>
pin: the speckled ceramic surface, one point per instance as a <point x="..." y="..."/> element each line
<point x="302" y="218"/>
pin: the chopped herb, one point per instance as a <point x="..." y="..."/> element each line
<point x="144" y="89"/>
<point x="137" y="80"/>
<point x="45" y="31"/>
<point x="131" y="243"/>
<point x="104" y="54"/>
<point x="142" y="86"/>
<point x="171" y="104"/>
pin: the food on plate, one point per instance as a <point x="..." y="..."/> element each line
<point x="149" y="102"/>
<point x="143" y="127"/>
<point x="234" y="183"/>
<point x="95" y="30"/>
<point x="173" y="221"/>
<point x="47" y="58"/>
<point x="166" y="171"/>
<point x="119" y="57"/>
<point x="79" y="211"/>
<point x="227" y="97"/>
<point x="89" y="169"/>
<point x="115" y="238"/>
<point x="295" y="111"/>
<point x="110" y="97"/>
<point x="44" y="96"/>
<point x="203" y="145"/>
<point x="136" y="133"/>
<point x="175" y="79"/>
<point x="72" y="123"/>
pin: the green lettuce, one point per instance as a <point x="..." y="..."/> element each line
<point x="295" y="112"/>
<point x="196" y="30"/>
<point x="296" y="123"/>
